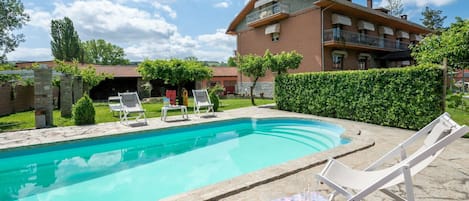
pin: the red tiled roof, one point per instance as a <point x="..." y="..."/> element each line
<point x="131" y="70"/>
<point x="221" y="71"/>
<point x="117" y="71"/>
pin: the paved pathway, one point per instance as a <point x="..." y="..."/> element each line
<point x="447" y="178"/>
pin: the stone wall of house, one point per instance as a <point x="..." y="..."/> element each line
<point x="261" y="87"/>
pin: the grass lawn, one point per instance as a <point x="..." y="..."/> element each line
<point x="459" y="115"/>
<point x="25" y="120"/>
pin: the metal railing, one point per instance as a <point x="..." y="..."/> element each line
<point x="363" y="39"/>
<point x="267" y="12"/>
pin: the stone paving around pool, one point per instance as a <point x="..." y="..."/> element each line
<point x="447" y="178"/>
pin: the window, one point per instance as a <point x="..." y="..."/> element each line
<point x="362" y="36"/>
<point x="398" y="43"/>
<point x="336" y="32"/>
<point x="381" y="40"/>
<point x="275" y="36"/>
<point x="338" y="61"/>
<point x="362" y="63"/>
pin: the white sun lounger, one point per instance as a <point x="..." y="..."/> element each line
<point x="130" y="104"/>
<point x="202" y="100"/>
<point x="441" y="132"/>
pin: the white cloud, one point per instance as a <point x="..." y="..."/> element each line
<point x="30" y="54"/>
<point x="420" y="3"/>
<point x="223" y="4"/>
<point x="165" y="8"/>
<point x="214" y="47"/>
<point x="142" y="34"/>
<point x="39" y="18"/>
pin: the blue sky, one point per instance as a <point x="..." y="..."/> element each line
<point x="164" y="28"/>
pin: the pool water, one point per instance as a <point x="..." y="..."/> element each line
<point x="155" y="164"/>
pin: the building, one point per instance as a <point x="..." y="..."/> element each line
<point x="126" y="78"/>
<point x="223" y="76"/>
<point x="330" y="34"/>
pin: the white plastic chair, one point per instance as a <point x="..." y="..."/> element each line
<point x="202" y="100"/>
<point x="441" y="132"/>
<point x="130" y="104"/>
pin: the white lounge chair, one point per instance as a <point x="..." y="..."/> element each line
<point x="202" y="100"/>
<point x="130" y="104"/>
<point x="441" y="132"/>
<point x="114" y="103"/>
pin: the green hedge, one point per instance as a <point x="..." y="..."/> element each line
<point x="400" y="97"/>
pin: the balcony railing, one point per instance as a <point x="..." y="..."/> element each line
<point x="276" y="8"/>
<point x="348" y="37"/>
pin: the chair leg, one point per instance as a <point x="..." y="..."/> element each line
<point x="392" y="195"/>
<point x="409" y="187"/>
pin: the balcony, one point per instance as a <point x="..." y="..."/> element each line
<point x="274" y="12"/>
<point x="354" y="40"/>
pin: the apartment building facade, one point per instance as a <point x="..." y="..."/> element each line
<point x="330" y="34"/>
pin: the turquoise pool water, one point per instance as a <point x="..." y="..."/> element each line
<point x="155" y="164"/>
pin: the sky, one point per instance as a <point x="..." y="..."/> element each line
<point x="161" y="29"/>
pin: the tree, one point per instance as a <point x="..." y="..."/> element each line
<point x="89" y="75"/>
<point x="12" y="17"/>
<point x="452" y="44"/>
<point x="175" y="72"/>
<point x="395" y="7"/>
<point x="65" y="42"/>
<point x="433" y="20"/>
<point x="231" y="61"/>
<point x="104" y="53"/>
<point x="252" y="66"/>
<point x="283" y="61"/>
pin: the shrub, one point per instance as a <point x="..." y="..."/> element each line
<point x="215" y="100"/>
<point x="401" y="97"/>
<point x="455" y="100"/>
<point x="83" y="111"/>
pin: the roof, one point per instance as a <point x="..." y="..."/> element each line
<point x="131" y="70"/>
<point x="117" y="71"/>
<point x="224" y="71"/>
<point x="347" y="6"/>
<point x="249" y="6"/>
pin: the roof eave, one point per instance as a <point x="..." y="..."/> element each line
<point x="327" y="3"/>
<point x="241" y="15"/>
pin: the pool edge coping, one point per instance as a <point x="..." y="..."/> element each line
<point x="251" y="180"/>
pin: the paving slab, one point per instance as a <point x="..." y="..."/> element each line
<point x="447" y="178"/>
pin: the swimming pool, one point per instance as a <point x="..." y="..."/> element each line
<point x="155" y="164"/>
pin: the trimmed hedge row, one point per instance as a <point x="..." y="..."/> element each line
<point x="400" y="97"/>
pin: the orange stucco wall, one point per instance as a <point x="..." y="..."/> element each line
<point x="300" y="32"/>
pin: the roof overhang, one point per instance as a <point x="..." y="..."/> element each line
<point x="349" y="8"/>
<point x="241" y="15"/>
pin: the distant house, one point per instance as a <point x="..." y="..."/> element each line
<point x="330" y="34"/>
<point x="224" y="76"/>
<point x="126" y="78"/>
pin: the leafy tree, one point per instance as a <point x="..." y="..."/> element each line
<point x="252" y="66"/>
<point x="65" y="44"/>
<point x="395" y="7"/>
<point x="453" y="44"/>
<point x="231" y="61"/>
<point x="283" y="61"/>
<point x="432" y="19"/>
<point x="104" y="53"/>
<point x="175" y="72"/>
<point x="89" y="75"/>
<point x="12" y="17"/>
